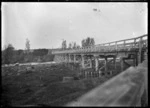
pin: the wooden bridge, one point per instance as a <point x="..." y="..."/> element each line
<point x="127" y="88"/>
<point x="135" y="49"/>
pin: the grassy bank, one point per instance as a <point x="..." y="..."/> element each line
<point x="44" y="85"/>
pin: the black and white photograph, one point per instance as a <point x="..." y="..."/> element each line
<point x="74" y="54"/>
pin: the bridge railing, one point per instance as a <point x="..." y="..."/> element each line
<point x="125" y="44"/>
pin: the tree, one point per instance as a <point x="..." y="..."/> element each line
<point x="8" y="54"/>
<point x="88" y="42"/>
<point x="40" y="52"/>
<point x="27" y="45"/>
<point x="64" y="44"/>
<point x="92" y="41"/>
<point x="19" y="52"/>
<point x="20" y="56"/>
<point x="78" y="46"/>
<point x="70" y="46"/>
<point x="74" y="45"/>
<point x="83" y="43"/>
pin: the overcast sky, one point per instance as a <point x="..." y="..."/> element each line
<point x="46" y="24"/>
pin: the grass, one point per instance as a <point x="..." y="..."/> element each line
<point x="44" y="85"/>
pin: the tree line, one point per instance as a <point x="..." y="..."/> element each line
<point x="84" y="43"/>
<point x="11" y="55"/>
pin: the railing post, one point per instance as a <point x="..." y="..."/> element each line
<point x="140" y="50"/>
<point x="109" y="47"/>
<point x="124" y="44"/>
<point x="116" y="46"/>
<point x="135" y="43"/>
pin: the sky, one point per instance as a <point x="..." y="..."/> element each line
<point x="47" y="24"/>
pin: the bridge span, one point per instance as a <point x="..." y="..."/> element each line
<point x="128" y="88"/>
<point x="135" y="49"/>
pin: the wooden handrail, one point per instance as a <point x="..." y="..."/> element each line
<point x="125" y="39"/>
<point x="108" y="45"/>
